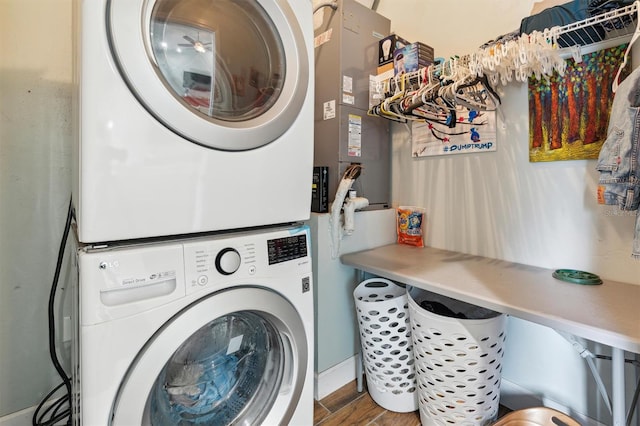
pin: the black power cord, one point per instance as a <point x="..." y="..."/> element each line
<point x="60" y="409"/>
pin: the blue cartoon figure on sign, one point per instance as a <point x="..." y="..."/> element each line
<point x="472" y="115"/>
<point x="475" y="136"/>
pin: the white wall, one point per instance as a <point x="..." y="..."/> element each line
<point x="500" y="205"/>
<point x="35" y="142"/>
<point x="336" y="330"/>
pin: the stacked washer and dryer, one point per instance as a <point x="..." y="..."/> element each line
<point x="193" y="170"/>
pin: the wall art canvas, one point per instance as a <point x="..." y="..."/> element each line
<point x="569" y="114"/>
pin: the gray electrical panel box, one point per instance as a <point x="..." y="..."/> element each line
<point x="346" y="55"/>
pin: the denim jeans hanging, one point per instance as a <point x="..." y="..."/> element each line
<point x="619" y="182"/>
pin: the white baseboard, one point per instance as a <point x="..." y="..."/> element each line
<point x="24" y="417"/>
<point x="329" y="381"/>
<point x="516" y="397"/>
<point x="19" y="418"/>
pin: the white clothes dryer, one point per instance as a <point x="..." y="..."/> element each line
<point x="204" y="331"/>
<point x="191" y="116"/>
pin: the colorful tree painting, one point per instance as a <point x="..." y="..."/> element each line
<point x="569" y="114"/>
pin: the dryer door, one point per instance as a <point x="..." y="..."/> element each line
<point x="227" y="74"/>
<point x="235" y="357"/>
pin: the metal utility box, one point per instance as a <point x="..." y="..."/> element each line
<point x="346" y="56"/>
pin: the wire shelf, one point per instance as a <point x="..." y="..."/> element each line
<point x="617" y="23"/>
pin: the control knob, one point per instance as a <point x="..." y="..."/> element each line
<point x="228" y="261"/>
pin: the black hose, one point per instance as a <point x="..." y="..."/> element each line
<point x="53" y="411"/>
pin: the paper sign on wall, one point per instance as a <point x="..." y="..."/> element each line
<point x="347" y="90"/>
<point x="348" y="99"/>
<point x="329" y="110"/>
<point x="347" y="84"/>
<point x="355" y="136"/>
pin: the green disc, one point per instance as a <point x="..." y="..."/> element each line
<point x="577" y="277"/>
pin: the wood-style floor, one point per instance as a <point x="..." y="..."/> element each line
<point x="348" y="407"/>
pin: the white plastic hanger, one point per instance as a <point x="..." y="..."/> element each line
<point x="636" y="34"/>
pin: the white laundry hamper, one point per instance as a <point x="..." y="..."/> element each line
<point x="458" y="359"/>
<point x="385" y="336"/>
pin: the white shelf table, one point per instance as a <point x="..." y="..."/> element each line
<point x="608" y="313"/>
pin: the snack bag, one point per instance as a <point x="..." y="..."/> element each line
<point x="410" y="225"/>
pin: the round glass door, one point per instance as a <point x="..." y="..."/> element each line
<point x="223" y="59"/>
<point x="228" y="372"/>
<point x="228" y="74"/>
<point x="238" y="356"/>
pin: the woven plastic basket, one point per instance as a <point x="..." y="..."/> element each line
<point x="385" y="336"/>
<point x="458" y="361"/>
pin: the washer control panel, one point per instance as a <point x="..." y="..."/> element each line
<point x="222" y="260"/>
<point x="125" y="280"/>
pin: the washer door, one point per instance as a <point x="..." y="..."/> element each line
<point x="235" y="357"/>
<point x="227" y="74"/>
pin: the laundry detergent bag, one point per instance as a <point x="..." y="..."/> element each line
<point x="410" y="225"/>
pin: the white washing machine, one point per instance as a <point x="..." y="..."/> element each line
<point x="191" y="116"/>
<point x="203" y="331"/>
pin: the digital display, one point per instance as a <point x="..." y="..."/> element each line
<point x="287" y="248"/>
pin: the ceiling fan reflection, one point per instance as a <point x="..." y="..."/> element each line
<point x="197" y="45"/>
